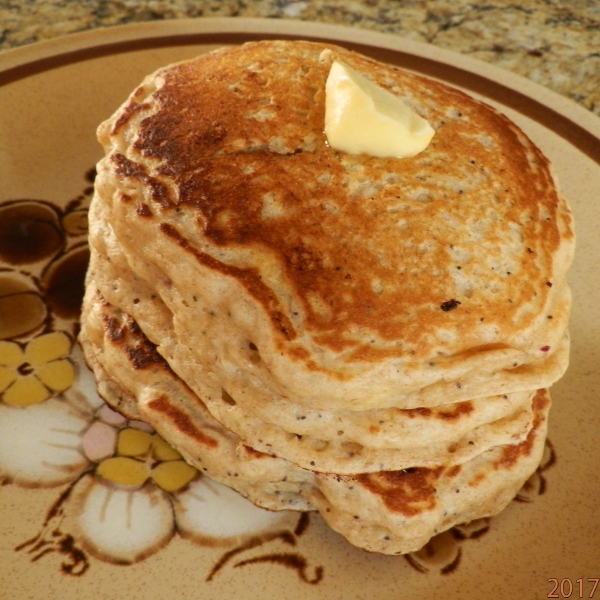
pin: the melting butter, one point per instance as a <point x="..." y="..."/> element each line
<point x="362" y="118"/>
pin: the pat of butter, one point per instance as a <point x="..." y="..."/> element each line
<point x="362" y="118"/>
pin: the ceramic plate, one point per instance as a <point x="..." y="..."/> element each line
<point x="94" y="506"/>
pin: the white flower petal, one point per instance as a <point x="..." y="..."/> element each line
<point x="123" y="525"/>
<point x="85" y="382"/>
<point x="41" y="445"/>
<point x="207" y="509"/>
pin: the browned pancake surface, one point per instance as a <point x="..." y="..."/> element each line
<point x="451" y="251"/>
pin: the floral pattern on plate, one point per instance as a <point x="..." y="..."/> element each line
<point x="125" y="493"/>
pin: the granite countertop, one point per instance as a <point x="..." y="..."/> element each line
<point x="555" y="43"/>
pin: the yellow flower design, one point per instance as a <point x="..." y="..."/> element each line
<point x="41" y="369"/>
<point x="141" y="455"/>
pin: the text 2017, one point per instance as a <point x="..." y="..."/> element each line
<point x="565" y="588"/>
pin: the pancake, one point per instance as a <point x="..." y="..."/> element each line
<point x="391" y="512"/>
<point x="376" y="510"/>
<point x="367" y="337"/>
<point x="373" y="282"/>
<point x="135" y="380"/>
<point x="356" y="441"/>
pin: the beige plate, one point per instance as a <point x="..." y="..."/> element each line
<point x="64" y="526"/>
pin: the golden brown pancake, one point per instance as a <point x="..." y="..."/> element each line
<point x="392" y="512"/>
<point x="329" y="320"/>
<point x="360" y="280"/>
<point x="352" y="441"/>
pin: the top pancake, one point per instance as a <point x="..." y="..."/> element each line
<point x="360" y="280"/>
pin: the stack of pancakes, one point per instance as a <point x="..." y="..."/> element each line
<point x="368" y="337"/>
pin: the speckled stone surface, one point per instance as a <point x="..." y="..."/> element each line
<point x="554" y="43"/>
